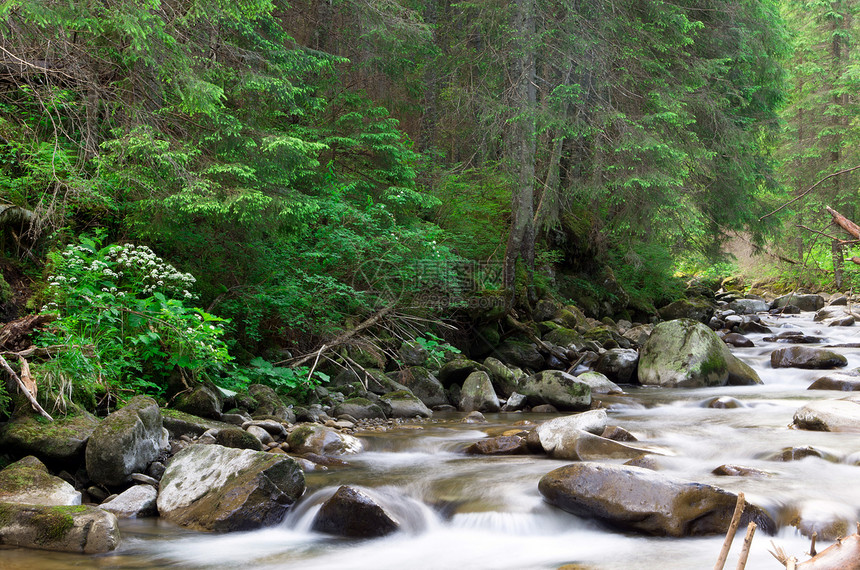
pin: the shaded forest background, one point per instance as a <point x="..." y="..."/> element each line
<point x="225" y="186"/>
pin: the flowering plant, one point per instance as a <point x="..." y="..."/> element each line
<point x="122" y="319"/>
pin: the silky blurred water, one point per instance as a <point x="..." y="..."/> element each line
<point x="485" y="512"/>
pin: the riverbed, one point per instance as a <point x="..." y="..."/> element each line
<point x="485" y="512"/>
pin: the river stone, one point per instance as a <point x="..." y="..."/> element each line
<point x="269" y="404"/>
<point x="457" y="370"/>
<point x="515" y="403"/>
<point x="830" y="415"/>
<point x="179" y="423"/>
<point x="314" y="438"/>
<point x="844" y="381"/>
<point x="565" y="338"/>
<point x="639" y="334"/>
<point x="215" y="488"/>
<point x="275" y="429"/>
<point x="499" y="445"/>
<point x="696" y="309"/>
<point x="645" y="501"/>
<point x="60" y="441"/>
<point x="619" y="365"/>
<point x="504" y="379"/>
<point x="553" y="433"/>
<point x="559" y="389"/>
<point x="203" y="399"/>
<point x="353" y="513"/>
<point x="522" y="354"/>
<point x="263" y="436"/>
<point x="237" y="438"/>
<point x="829" y="313"/>
<point x="404" y="404"/>
<point x="135" y="502"/>
<point x="805" y="302"/>
<point x="683" y="354"/>
<point x="843" y="322"/>
<point x="126" y="442"/>
<point x="806" y="357"/>
<point x="599" y="383"/>
<point x="28" y="481"/>
<point x="360" y="409"/>
<point x="424" y="385"/>
<point x="412" y="353"/>
<point x="749" y="306"/>
<point x="732" y="470"/>
<point x="738" y="340"/>
<point x="79" y="529"/>
<point x="478" y="394"/>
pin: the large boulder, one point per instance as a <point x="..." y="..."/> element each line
<point x="687" y="354"/>
<point x="518" y="353"/>
<point x="577" y="438"/>
<point x="505" y="380"/>
<point x="202" y="399"/>
<point x="403" y="404"/>
<point x="62" y="441"/>
<point x="696" y="308"/>
<point x="557" y="388"/>
<point x="844" y="381"/>
<point x="135" y="502"/>
<point x="478" y="394"/>
<point x="215" y="488"/>
<point x="360" y="409"/>
<point x="78" y="529"/>
<point x="412" y="353"/>
<point x="28" y="481"/>
<point x="619" y="365"/>
<point x="424" y="385"/>
<point x="806" y="357"/>
<point x="805" y="302"/>
<point x="352" y="512"/>
<point x="321" y="440"/>
<point x="269" y="404"/>
<point x="599" y="383"/>
<point x="126" y="442"/>
<point x="830" y="415"/>
<point x="633" y="498"/>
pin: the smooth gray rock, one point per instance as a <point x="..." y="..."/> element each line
<point x="559" y="389"/>
<point x="78" y="529"/>
<point x="321" y="440"/>
<point x="353" y="512"/>
<point x="599" y="383"/>
<point x="424" y="385"/>
<point x="478" y="394"/>
<point x="27" y="481"/>
<point x="806" y="357"/>
<point x="135" y="502"/>
<point x="215" y="488"/>
<point x="126" y="442"/>
<point x="830" y="415"/>
<point x="805" y="302"/>
<point x="404" y="404"/>
<point x="645" y="501"/>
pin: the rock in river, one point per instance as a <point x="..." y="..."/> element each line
<point x="637" y="499"/>
<point x="806" y="357"/>
<point x="211" y="487"/>
<point x="353" y="512"/>
<point x="28" y="481"/>
<point x="79" y="528"/>
<point x="562" y="390"/>
<point x="830" y="415"/>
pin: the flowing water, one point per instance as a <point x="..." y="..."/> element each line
<point x="486" y="512"/>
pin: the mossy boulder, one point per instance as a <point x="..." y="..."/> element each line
<point x="696" y="308"/>
<point x="78" y="529"/>
<point x="645" y="501"/>
<point x="424" y="385"/>
<point x="412" y="353"/>
<point x="28" y="481"/>
<point x="215" y="488"/>
<point x="565" y="338"/>
<point x="505" y="380"/>
<point x="477" y="394"/>
<point x="404" y="404"/>
<point x="237" y="438"/>
<point x="321" y="440"/>
<point x="556" y="388"/>
<point x="126" y="442"/>
<point x="683" y="354"/>
<point x="203" y="399"/>
<point x="520" y="353"/>
<point x="269" y="404"/>
<point x="179" y="423"/>
<point x="61" y="441"/>
<point x="360" y="409"/>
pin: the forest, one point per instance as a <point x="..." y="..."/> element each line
<point x="266" y="192"/>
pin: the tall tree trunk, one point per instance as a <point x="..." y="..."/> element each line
<point x="521" y="153"/>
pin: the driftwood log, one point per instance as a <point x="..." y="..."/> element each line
<point x="843" y="555"/>
<point x="15" y="336"/>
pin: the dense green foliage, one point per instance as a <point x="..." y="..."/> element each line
<point x="311" y="163"/>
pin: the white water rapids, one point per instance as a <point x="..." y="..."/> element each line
<point x="461" y="511"/>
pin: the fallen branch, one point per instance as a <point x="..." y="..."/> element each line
<point x="50" y="351"/>
<point x="745" y="550"/>
<point x="808" y="190"/>
<point x="843" y="555"/>
<point x="730" y="534"/>
<point x="24" y="389"/>
<point x="340" y="339"/>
